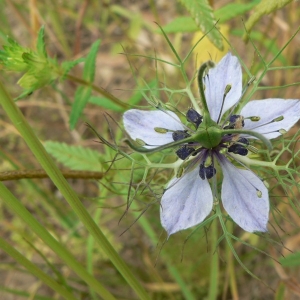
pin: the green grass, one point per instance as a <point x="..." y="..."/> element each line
<point x="83" y="238"/>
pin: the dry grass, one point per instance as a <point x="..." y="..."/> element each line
<point x="71" y="27"/>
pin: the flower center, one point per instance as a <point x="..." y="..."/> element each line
<point x="208" y="139"/>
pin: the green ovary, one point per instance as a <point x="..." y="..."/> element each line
<point x="208" y="137"/>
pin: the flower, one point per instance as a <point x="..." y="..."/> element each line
<point x="204" y="140"/>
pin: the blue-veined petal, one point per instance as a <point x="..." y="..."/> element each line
<point x="244" y="197"/>
<point x="186" y="202"/>
<point x="227" y="72"/>
<point x="140" y="124"/>
<point x="268" y="110"/>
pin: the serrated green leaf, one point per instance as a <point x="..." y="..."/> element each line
<point x="68" y="65"/>
<point x="263" y="8"/>
<point x="40" y="44"/>
<point x="225" y="13"/>
<point x="203" y="15"/>
<point x="90" y="63"/>
<point x="233" y="10"/>
<point x="291" y="260"/>
<point x="181" y="24"/>
<point x="82" y="96"/>
<point x="75" y="157"/>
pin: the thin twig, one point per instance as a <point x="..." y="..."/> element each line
<point x="32" y="174"/>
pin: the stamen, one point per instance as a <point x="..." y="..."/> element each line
<point x="184" y="152"/>
<point x="259" y="193"/>
<point x="239" y="147"/>
<point x="226" y="91"/>
<point x="282" y="131"/>
<point x="210" y="172"/>
<point x="254" y="118"/>
<point x="206" y="172"/>
<point x="194" y="117"/>
<point x="207" y="169"/>
<point x="179" y="135"/>
<point x="237" y="120"/>
<point x="278" y="119"/>
<point x="202" y="172"/>
<point x="244" y="141"/>
<point x="140" y="142"/>
<point x="252" y="149"/>
<point x="161" y="130"/>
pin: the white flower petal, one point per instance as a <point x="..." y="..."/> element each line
<point x="240" y="197"/>
<point x="268" y="110"/>
<point x="140" y="124"/>
<point x="186" y="203"/>
<point x="227" y="72"/>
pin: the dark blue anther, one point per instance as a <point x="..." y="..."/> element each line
<point x="194" y="117"/>
<point x="184" y="152"/>
<point x="179" y="135"/>
<point x="234" y="118"/>
<point x="239" y="149"/>
<point x="243" y="141"/>
<point x="202" y="171"/>
<point x="206" y="172"/>
<point x="210" y="171"/>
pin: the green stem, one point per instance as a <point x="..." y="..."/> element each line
<point x="33" y="269"/>
<point x="230" y="262"/>
<point x="99" y="90"/>
<point x="52" y="170"/>
<point x="19" y="209"/>
<point x="147" y="228"/>
<point x="214" y="265"/>
<point x="74" y="174"/>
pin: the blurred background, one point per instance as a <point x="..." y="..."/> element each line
<point x="132" y="27"/>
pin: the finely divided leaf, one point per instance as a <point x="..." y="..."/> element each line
<point x="181" y="24"/>
<point x="75" y="157"/>
<point x="263" y="8"/>
<point x="40" y="44"/>
<point x="233" y="10"/>
<point x="223" y="14"/>
<point x="83" y="93"/>
<point x="82" y="96"/>
<point x="90" y="63"/>
<point x="68" y="65"/>
<point x="203" y="15"/>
